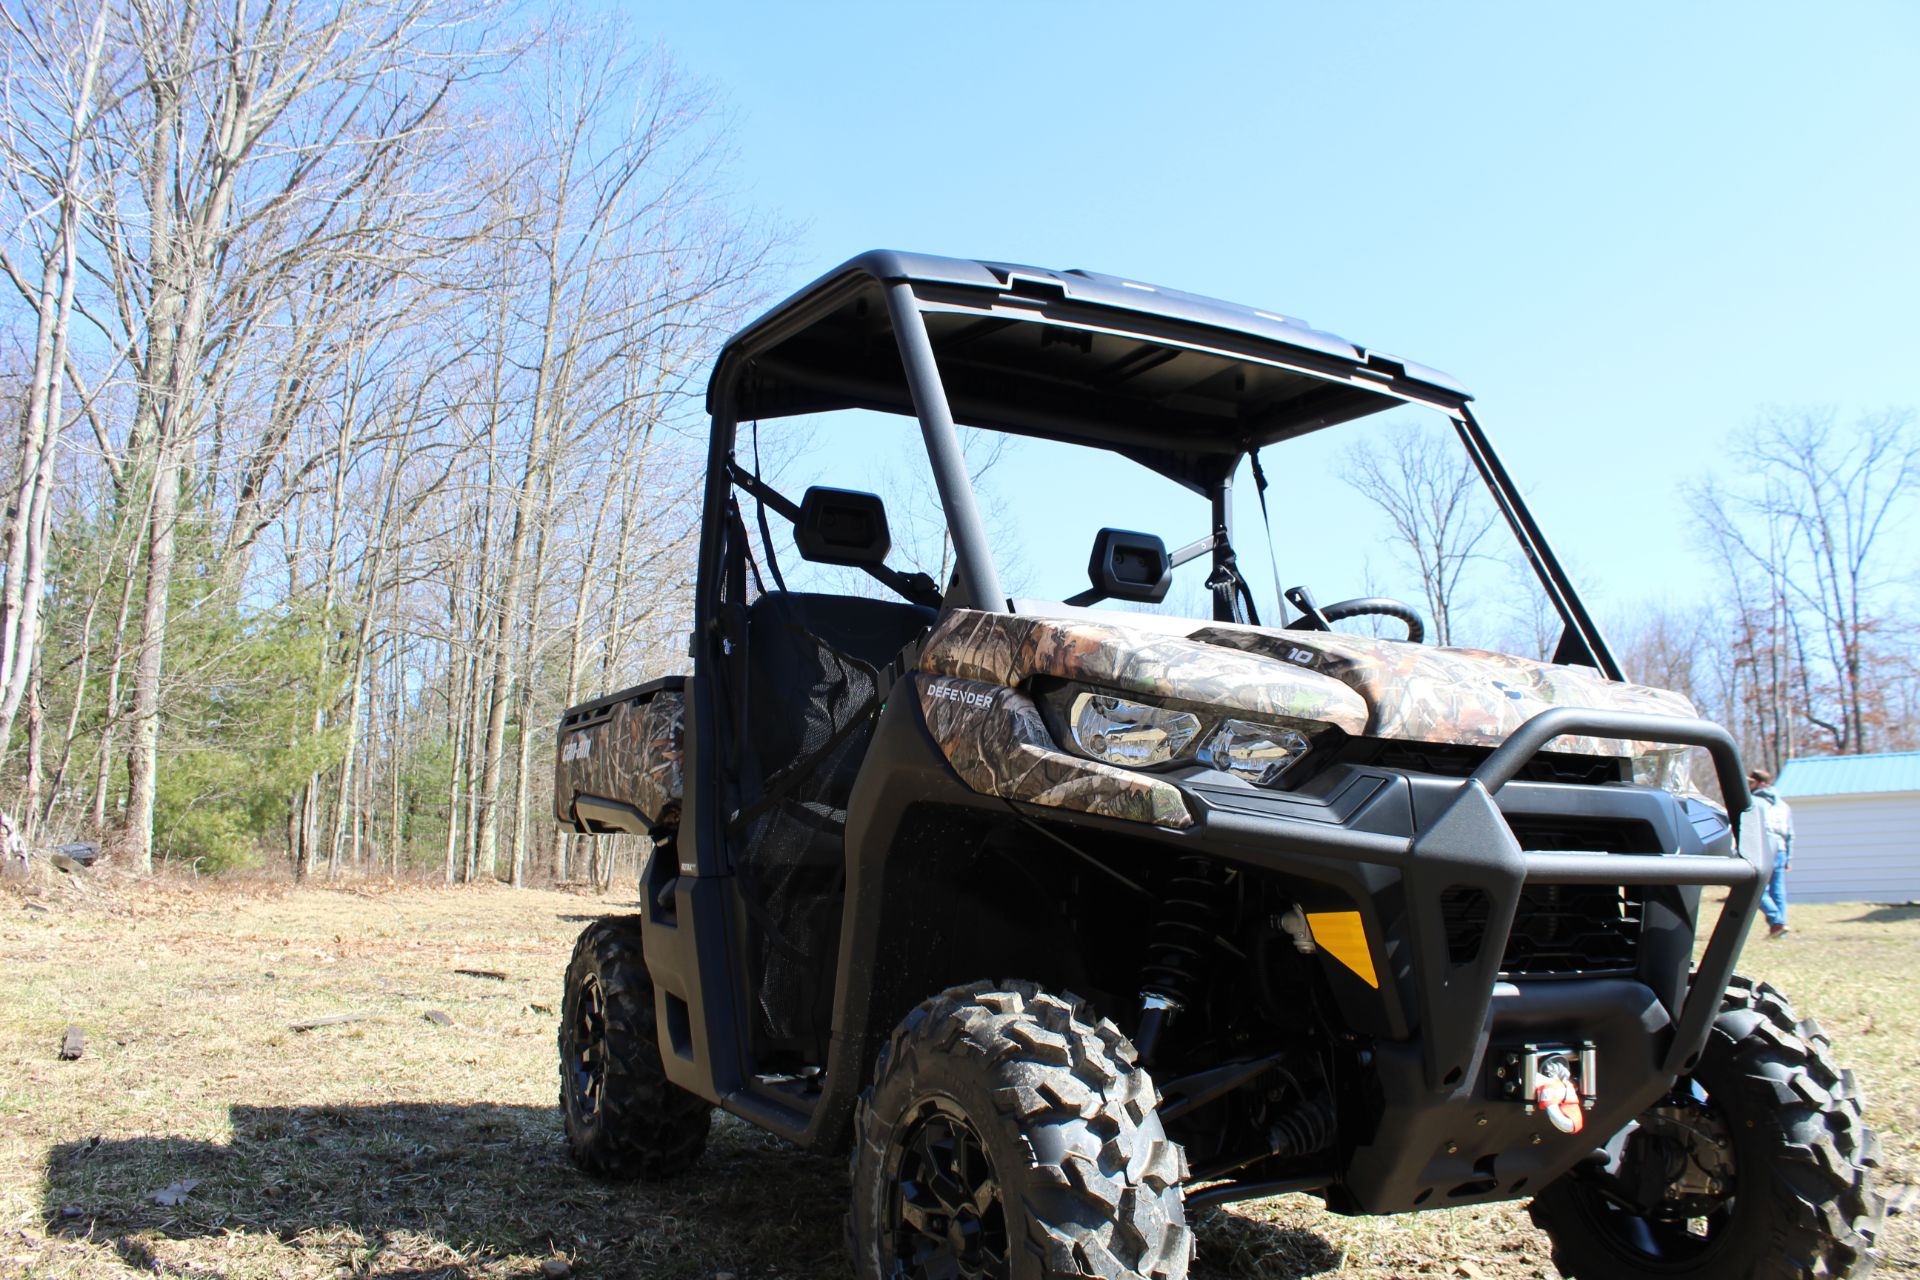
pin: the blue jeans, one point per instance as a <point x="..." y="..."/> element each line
<point x="1773" y="902"/>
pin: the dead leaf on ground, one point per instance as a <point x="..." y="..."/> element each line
<point x="175" y="1194"/>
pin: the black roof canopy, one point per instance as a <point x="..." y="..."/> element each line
<point x="1180" y="383"/>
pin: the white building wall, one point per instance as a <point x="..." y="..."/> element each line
<point x="1856" y="848"/>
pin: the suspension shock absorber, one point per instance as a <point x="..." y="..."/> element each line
<point x="1178" y="947"/>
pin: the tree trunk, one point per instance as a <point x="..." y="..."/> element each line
<point x="476" y="729"/>
<point x="28" y="525"/>
<point x="30" y="823"/>
<point x="104" y="756"/>
<point x="347" y="808"/>
<point x="143" y="757"/>
<point x="457" y="737"/>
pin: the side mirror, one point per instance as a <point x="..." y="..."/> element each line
<point x="842" y="526"/>
<point x="1130" y="566"/>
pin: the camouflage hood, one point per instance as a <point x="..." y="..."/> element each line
<point x="1470" y="697"/>
<point x="1379" y="688"/>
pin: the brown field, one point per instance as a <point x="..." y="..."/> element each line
<point x="394" y="1147"/>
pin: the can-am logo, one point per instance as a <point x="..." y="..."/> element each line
<point x="965" y="697"/>
<point x="578" y="747"/>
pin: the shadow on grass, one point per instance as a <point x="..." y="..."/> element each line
<point x="408" y="1191"/>
<point x="1888" y="914"/>
<point x="424" y="1190"/>
<point x="1232" y="1245"/>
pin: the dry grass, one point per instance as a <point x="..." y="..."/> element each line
<point x="393" y="1147"/>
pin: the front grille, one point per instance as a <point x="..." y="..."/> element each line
<point x="1558" y="833"/>
<point x="1559" y="931"/>
<point x="1448" y="761"/>
<point x="1564" y="930"/>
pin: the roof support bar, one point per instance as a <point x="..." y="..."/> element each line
<point x="1582" y="641"/>
<point x="980" y="583"/>
<point x="1220" y="496"/>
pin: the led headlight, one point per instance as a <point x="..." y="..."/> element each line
<point x="1258" y="753"/>
<point x="1669" y="768"/>
<point x="1130" y="733"/>
<point x="1140" y="735"/>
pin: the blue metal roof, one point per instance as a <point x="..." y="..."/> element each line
<point x="1850" y="775"/>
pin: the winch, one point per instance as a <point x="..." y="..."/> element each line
<point x="1560" y="1080"/>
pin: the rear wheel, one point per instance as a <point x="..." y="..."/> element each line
<point x="624" y="1118"/>
<point x="1759" y="1165"/>
<point x="1009" y="1135"/>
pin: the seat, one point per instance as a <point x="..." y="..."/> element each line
<point x="790" y="682"/>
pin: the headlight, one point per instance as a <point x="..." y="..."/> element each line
<point x="1669" y="768"/>
<point x="1131" y="733"/>
<point x="1140" y="735"/>
<point x="1259" y="753"/>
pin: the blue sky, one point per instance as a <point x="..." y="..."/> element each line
<point x="1628" y="231"/>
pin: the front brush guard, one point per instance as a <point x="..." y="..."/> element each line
<point x="1472" y="846"/>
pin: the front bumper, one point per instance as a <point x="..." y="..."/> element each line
<point x="1434" y="1126"/>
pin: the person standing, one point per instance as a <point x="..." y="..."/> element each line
<point x="1776" y="821"/>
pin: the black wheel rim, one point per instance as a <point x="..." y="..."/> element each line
<point x="1665" y="1244"/>
<point x="587" y="1053"/>
<point x="944" y="1200"/>
<point x="1686" y="1228"/>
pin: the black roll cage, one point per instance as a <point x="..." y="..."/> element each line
<point x="759" y="374"/>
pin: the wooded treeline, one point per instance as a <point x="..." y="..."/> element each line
<point x="1815" y="555"/>
<point x="350" y="359"/>
<point x="351" y="356"/>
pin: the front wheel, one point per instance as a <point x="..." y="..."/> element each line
<point x="1008" y="1135"/>
<point x="1758" y="1165"/>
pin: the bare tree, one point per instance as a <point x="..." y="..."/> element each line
<point x="253" y="136"/>
<point x="1761" y="682"/>
<point x="1427" y="487"/>
<point x="45" y="166"/>
<point x="1813" y="517"/>
<point x="368" y="375"/>
<point x="617" y="251"/>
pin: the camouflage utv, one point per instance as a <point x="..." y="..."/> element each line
<point x="1068" y="919"/>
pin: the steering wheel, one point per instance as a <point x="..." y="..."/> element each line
<point x="1416" y="625"/>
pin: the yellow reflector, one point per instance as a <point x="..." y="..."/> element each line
<point x="1341" y="935"/>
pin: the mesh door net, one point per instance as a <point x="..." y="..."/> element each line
<point x="812" y="710"/>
